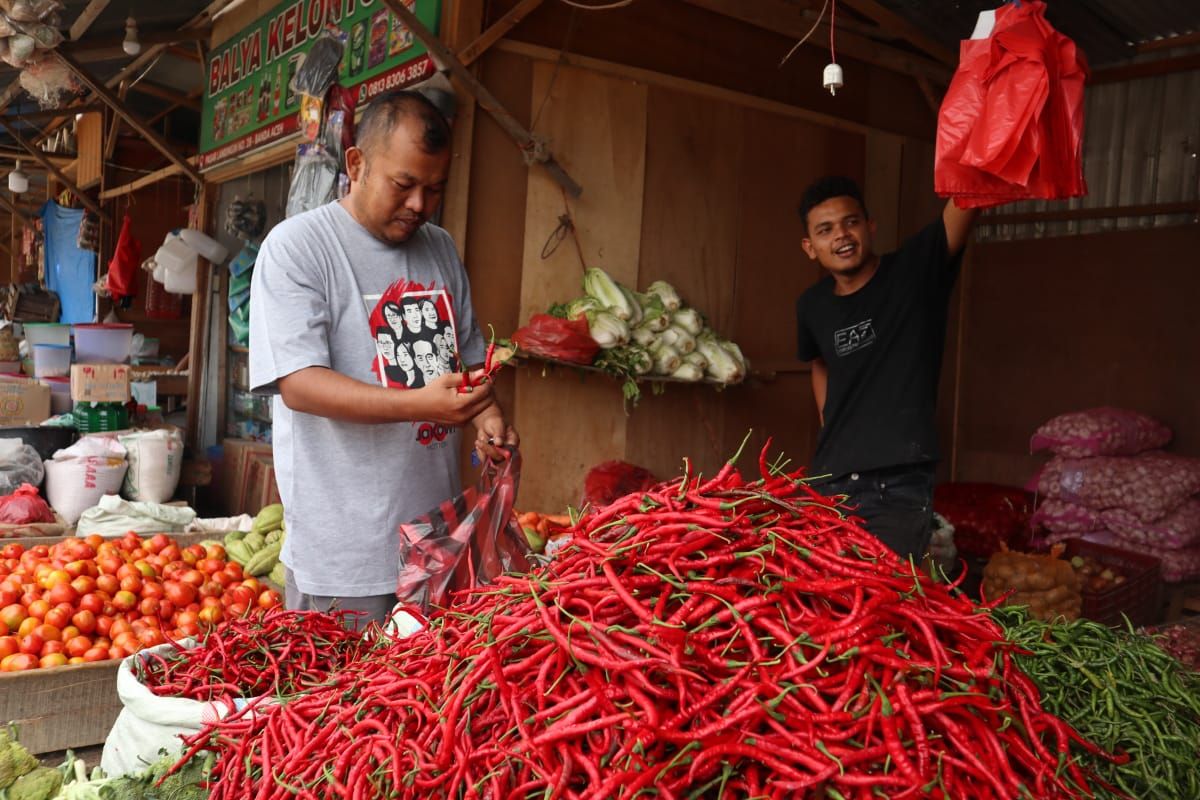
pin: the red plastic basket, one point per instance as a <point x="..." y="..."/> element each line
<point x="161" y="304"/>
<point x="1138" y="597"/>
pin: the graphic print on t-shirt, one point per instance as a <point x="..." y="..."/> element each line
<point x="414" y="331"/>
<point x="855" y="337"/>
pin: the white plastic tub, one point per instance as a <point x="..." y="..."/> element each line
<point x="47" y="333"/>
<point x="103" y="342"/>
<point x="51" y="360"/>
<point x="60" y="394"/>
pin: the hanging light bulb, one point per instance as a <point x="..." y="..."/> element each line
<point x="18" y="181"/>
<point x="131" y="45"/>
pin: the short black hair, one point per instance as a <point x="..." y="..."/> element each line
<point x="386" y="112"/>
<point x="827" y="188"/>
<point x="383" y="330"/>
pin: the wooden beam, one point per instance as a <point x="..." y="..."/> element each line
<point x="176" y="98"/>
<point x="1108" y="212"/>
<point x="142" y="182"/>
<point x="52" y="113"/>
<point x="86" y="17"/>
<point x="198" y="331"/>
<point x="114" y="127"/>
<point x="461" y="23"/>
<point x="110" y="46"/>
<point x="783" y="17"/>
<point x="1168" y="42"/>
<point x="193" y="95"/>
<point x="186" y="53"/>
<point x="497" y="31"/>
<point x="130" y="118"/>
<point x="58" y="174"/>
<point x="535" y="150"/>
<point x="10" y="154"/>
<point x="886" y="18"/>
<point x="1145" y="69"/>
<point x="931" y="96"/>
<point x="8" y="205"/>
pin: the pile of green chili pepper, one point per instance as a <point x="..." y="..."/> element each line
<point x="1122" y="691"/>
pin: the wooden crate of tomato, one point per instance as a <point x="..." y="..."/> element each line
<point x="71" y="608"/>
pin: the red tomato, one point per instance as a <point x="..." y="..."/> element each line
<point x="128" y="642"/>
<point x="91" y="602"/>
<point x="108" y="583"/>
<point x="9" y="593"/>
<point x="189" y="557"/>
<point x="12" y="550"/>
<point x="269" y="599"/>
<point x="38" y="608"/>
<point x="216" y="551"/>
<point x="234" y="569"/>
<point x="8" y="646"/>
<point x="171" y="553"/>
<point x="31" y="643"/>
<point x="78" y="645"/>
<point x="209" y="566"/>
<point x="104" y="625"/>
<point x="96" y="654"/>
<point x="138" y="553"/>
<point x="53" y="647"/>
<point x="85" y="621"/>
<point x="59" y="616"/>
<point x="62" y="593"/>
<point x="119" y="626"/>
<point x="52" y="660"/>
<point x="48" y="633"/>
<point x="69" y="632"/>
<point x="76" y="568"/>
<point x="193" y="576"/>
<point x="153" y="589"/>
<point x="19" y="662"/>
<point x="158" y="542"/>
<point x="26" y="627"/>
<point x="149" y="606"/>
<point x="180" y="593"/>
<point x="124" y="600"/>
<point x="145" y="569"/>
<point x="12" y="615"/>
<point x="210" y="602"/>
<point x="222" y="579"/>
<point x="109" y="564"/>
<point x="132" y="583"/>
<point x="253" y="585"/>
<point x="129" y="542"/>
<point x="166" y="609"/>
<point x="151" y="637"/>
<point x="186" y="618"/>
<point x="126" y="570"/>
<point x="211" y="589"/>
<point x="84" y="584"/>
<point x="116" y="653"/>
<point x="237" y="609"/>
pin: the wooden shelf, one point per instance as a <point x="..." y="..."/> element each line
<point x="526" y="360"/>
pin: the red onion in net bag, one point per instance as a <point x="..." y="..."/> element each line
<point x="1151" y="485"/>
<point x="1100" y="432"/>
<point x="1179" y="565"/>
<point x="1061" y="516"/>
<point x="1178" y="529"/>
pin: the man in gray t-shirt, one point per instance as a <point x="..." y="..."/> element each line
<point x="366" y="415"/>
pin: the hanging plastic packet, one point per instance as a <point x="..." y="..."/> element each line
<point x="246" y="219"/>
<point x="314" y="180"/>
<point x="319" y="70"/>
<point x="311" y="109"/>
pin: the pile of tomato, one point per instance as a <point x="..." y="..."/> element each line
<point x="93" y="599"/>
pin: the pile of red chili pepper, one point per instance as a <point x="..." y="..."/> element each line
<point x="704" y="638"/>
<point x="271" y="653"/>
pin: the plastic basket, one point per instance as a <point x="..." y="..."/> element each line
<point x="1138" y="597"/>
<point x="161" y="304"/>
<point x="101" y="417"/>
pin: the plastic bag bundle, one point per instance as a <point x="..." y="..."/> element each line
<point x="1100" y="432"/>
<point x="1011" y="124"/>
<point x="45" y="77"/>
<point x="314" y="181"/>
<point x="560" y="339"/>
<point x="317" y="73"/>
<point x="1060" y="516"/>
<point x="24" y="506"/>
<point x="1150" y="485"/>
<point x="19" y="464"/>
<point x="464" y="542"/>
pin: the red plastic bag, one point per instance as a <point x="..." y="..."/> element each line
<point x="560" y="339"/>
<point x="122" y="269"/>
<point x="607" y="482"/>
<point x="1011" y="124"/>
<point x="465" y="542"/>
<point x="24" y="506"/>
<point x="985" y="516"/>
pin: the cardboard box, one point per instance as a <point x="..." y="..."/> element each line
<point x="235" y="466"/>
<point x="100" y="383"/>
<point x="23" y="402"/>
<point x="259" y="489"/>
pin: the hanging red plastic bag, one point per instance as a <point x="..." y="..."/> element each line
<point x="24" y="506"/>
<point x="605" y="483"/>
<point x="1011" y="124"/>
<point x="560" y="339"/>
<point x="122" y="269"/>
<point x="465" y="542"/>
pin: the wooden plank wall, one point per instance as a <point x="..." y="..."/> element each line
<point x="1062" y="324"/>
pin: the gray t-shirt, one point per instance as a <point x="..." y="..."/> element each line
<point x="326" y="293"/>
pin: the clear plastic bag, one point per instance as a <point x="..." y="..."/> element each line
<point x="314" y="181"/>
<point x="464" y="542"/>
<point x="317" y="73"/>
<point x="19" y="465"/>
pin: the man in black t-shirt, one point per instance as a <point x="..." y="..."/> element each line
<point x="874" y="328"/>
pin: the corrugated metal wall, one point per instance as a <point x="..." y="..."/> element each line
<point x="1141" y="146"/>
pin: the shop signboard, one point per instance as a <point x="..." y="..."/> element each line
<point x="248" y="101"/>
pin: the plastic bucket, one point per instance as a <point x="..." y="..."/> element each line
<point x="60" y="394"/>
<point x="181" y="277"/>
<point x="47" y="333"/>
<point x="103" y="342"/>
<point x="51" y="360"/>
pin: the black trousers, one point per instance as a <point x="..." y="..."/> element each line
<point x="896" y="505"/>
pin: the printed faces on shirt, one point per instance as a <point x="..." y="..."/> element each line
<point x="414" y="334"/>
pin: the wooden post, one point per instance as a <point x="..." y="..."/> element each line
<point x="462" y="22"/>
<point x="198" y="334"/>
<point x="497" y="31"/>
<point x="105" y="94"/>
<point x="37" y="156"/>
<point x="535" y="149"/>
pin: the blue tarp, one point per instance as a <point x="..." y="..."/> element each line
<point x="70" y="271"/>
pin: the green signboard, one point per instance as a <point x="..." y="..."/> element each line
<point x="248" y="101"/>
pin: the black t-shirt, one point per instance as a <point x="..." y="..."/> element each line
<point x="883" y="349"/>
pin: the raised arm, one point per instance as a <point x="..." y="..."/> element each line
<point x="958" y="222"/>
<point x="325" y="393"/>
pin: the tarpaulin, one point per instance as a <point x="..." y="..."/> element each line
<point x="1011" y="124"/>
<point x="70" y="271"/>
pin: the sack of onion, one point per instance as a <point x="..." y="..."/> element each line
<point x="1044" y="582"/>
